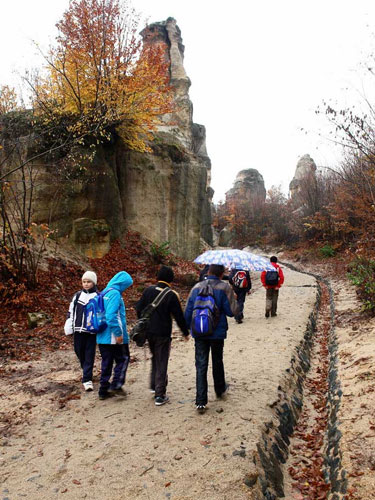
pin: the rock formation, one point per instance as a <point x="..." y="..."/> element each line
<point x="306" y="168"/>
<point x="248" y="187"/>
<point x="165" y="195"/>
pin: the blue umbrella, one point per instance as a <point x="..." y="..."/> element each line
<point x="234" y="258"/>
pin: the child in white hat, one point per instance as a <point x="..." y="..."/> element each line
<point x="84" y="342"/>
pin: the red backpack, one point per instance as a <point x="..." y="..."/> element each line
<point x="240" y="279"/>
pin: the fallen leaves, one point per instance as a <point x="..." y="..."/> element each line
<point x="132" y="255"/>
<point x="308" y="438"/>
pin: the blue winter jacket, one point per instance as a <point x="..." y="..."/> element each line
<point x="224" y="299"/>
<point x="115" y="310"/>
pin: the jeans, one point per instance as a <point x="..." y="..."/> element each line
<point x="118" y="354"/>
<point x="202" y="352"/>
<point x="160" y="348"/>
<point x="85" y="347"/>
<point x="241" y="296"/>
<point x="271" y="300"/>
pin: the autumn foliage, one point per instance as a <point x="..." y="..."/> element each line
<point x="8" y="99"/>
<point x="62" y="279"/>
<point x="101" y="76"/>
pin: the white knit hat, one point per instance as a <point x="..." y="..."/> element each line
<point x="91" y="276"/>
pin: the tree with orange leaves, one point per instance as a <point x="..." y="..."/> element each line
<point x="101" y="77"/>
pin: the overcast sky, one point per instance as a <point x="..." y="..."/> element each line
<point x="258" y="70"/>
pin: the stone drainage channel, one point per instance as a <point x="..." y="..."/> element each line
<point x="298" y="455"/>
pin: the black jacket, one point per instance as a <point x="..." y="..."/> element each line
<point x="161" y="319"/>
<point x="76" y="316"/>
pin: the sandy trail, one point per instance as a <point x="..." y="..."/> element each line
<point x="126" y="448"/>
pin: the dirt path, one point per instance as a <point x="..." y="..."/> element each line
<point x="68" y="444"/>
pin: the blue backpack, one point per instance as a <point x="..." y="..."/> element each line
<point x="95" y="321"/>
<point x="205" y="312"/>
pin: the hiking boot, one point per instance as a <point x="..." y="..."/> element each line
<point x="161" y="400"/>
<point x="273" y="315"/>
<point x="239" y="321"/>
<point x="105" y="395"/>
<point x="201" y="408"/>
<point x="88" y="386"/>
<point x="267" y="314"/>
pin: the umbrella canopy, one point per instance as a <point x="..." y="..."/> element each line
<point x="234" y="258"/>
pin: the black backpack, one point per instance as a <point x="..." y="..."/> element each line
<point x="272" y="278"/>
<point x="139" y="331"/>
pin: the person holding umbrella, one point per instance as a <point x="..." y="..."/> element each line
<point x="221" y="294"/>
<point x="241" y="283"/>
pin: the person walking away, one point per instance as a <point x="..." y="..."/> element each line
<point x="226" y="305"/>
<point x="203" y="273"/>
<point x="159" y="331"/>
<point x="113" y="342"/>
<point x="272" y="281"/>
<point x="241" y="283"/>
<point x="84" y="341"/>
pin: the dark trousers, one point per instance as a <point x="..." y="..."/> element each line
<point x="241" y="297"/>
<point x="160" y="348"/>
<point x="271" y="300"/>
<point x="202" y="351"/>
<point x="84" y="347"/>
<point x="113" y="353"/>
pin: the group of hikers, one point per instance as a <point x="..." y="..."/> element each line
<point x="214" y="298"/>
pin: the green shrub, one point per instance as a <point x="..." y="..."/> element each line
<point x="160" y="253"/>
<point x="362" y="274"/>
<point x="327" y="251"/>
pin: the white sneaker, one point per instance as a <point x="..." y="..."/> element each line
<point x="88" y="386"/>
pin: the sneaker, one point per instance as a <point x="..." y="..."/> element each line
<point x="161" y="400"/>
<point x="119" y="391"/>
<point x="273" y="315"/>
<point x="105" y="395"/>
<point x="239" y="321"/>
<point x="88" y="386"/>
<point x="267" y="314"/>
<point x="201" y="408"/>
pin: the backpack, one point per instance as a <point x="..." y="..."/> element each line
<point x="240" y="279"/>
<point x="139" y="331"/>
<point x="206" y="314"/>
<point x="272" y="278"/>
<point x="95" y="321"/>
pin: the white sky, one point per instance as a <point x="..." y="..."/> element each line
<point x="258" y="69"/>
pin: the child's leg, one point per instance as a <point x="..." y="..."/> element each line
<point x="89" y="356"/>
<point x="79" y="347"/>
<point x="107" y="355"/>
<point x="122" y="357"/>
<point x="151" y="345"/>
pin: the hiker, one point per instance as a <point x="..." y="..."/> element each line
<point x="226" y="305"/>
<point x="272" y="281"/>
<point x="159" y="330"/>
<point x="203" y="273"/>
<point x="241" y="283"/>
<point x="113" y="342"/>
<point x="84" y="341"/>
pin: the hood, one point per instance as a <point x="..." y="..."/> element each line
<point x="121" y="281"/>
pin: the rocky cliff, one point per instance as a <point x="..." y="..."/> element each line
<point x="305" y="168"/>
<point x="248" y="187"/>
<point x="165" y="195"/>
